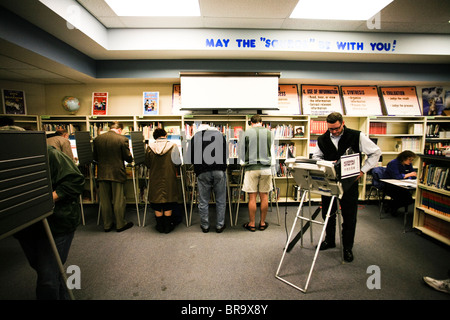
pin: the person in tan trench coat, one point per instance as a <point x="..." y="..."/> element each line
<point x="162" y="158"/>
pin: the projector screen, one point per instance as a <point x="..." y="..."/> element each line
<point x="229" y="92"/>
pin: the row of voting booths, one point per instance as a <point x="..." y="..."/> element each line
<point x="26" y="193"/>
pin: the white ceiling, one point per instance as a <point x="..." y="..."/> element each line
<point x="412" y="16"/>
<point x="18" y="64"/>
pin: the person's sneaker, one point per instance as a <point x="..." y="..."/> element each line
<point x="440" y="285"/>
<point x="205" y="230"/>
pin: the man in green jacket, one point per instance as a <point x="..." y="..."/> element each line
<point x="67" y="185"/>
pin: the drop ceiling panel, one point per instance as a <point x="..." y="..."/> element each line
<point x="238" y="23"/>
<point x="247" y="8"/>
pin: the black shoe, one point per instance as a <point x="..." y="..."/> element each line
<point x="159" y="224"/>
<point x="327" y="245"/>
<point x="219" y="230"/>
<point x="109" y="229"/>
<point x="127" y="226"/>
<point x="205" y="230"/>
<point x="168" y="225"/>
<point x="348" y="255"/>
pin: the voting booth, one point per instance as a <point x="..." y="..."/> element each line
<point x="321" y="177"/>
<point x="26" y="186"/>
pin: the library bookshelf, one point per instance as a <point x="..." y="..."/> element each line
<point x="392" y="133"/>
<point x="432" y="205"/>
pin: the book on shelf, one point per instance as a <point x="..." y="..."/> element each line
<point x="436" y="202"/>
<point x="71" y="128"/>
<point x="318" y="126"/>
<point x="274" y="194"/>
<point x="232" y="148"/>
<point x="236" y="131"/>
<point x="432" y="130"/>
<point x="283" y="131"/>
<point x="172" y="130"/>
<point x="411" y="143"/>
<point x="415" y="128"/>
<point x="377" y="128"/>
<point x="282" y="170"/>
<point x="284" y="151"/>
<point x="436" y="225"/>
<point x="435" y="176"/>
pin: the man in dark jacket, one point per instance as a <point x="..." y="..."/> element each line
<point x="208" y="154"/>
<point x="334" y="143"/>
<point x="111" y="149"/>
<point x="67" y="184"/>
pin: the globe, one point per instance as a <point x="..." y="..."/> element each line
<point x="71" y="104"/>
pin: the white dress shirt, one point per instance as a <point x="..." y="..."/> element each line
<point x="366" y="146"/>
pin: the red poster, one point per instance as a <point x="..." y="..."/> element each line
<point x="99" y="103"/>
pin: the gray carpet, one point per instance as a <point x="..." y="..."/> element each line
<point x="142" y="264"/>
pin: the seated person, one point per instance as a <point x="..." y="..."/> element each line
<point x="400" y="168"/>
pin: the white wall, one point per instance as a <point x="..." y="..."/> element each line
<point x="124" y="99"/>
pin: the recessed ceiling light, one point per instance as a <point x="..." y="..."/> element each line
<point x="338" y="9"/>
<point x="155" y="8"/>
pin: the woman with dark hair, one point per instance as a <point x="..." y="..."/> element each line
<point x="400" y="168"/>
<point x="162" y="158"/>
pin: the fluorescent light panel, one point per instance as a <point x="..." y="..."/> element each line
<point x="338" y="9"/>
<point x="155" y="8"/>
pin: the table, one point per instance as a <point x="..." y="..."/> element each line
<point x="409" y="184"/>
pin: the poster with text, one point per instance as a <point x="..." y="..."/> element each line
<point x="14" y="102"/>
<point x="151" y="103"/>
<point x="99" y="103"/>
<point x="361" y="101"/>
<point x="176" y="100"/>
<point x="401" y="101"/>
<point x="433" y="101"/>
<point x="320" y="100"/>
<point x="288" y="100"/>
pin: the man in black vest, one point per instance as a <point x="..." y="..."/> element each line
<point x="331" y="145"/>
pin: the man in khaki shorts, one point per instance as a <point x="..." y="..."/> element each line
<point x="258" y="175"/>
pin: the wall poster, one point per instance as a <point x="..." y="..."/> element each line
<point x="320" y="100"/>
<point x="288" y="100"/>
<point x="433" y="101"/>
<point x="401" y="101"/>
<point x="14" y="102"/>
<point x="361" y="101"/>
<point x="150" y="103"/>
<point x="99" y="103"/>
<point x="176" y="100"/>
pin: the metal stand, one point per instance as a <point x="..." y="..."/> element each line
<point x="133" y="171"/>
<point x="57" y="257"/>
<point x="319" y="177"/>
<point x="322" y="234"/>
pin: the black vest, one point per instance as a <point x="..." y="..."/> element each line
<point x="350" y="138"/>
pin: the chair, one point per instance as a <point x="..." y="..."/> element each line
<point x="379" y="186"/>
